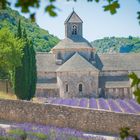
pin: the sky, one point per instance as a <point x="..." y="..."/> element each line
<point x="97" y="24"/>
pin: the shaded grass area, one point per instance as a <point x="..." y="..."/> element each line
<point x="4" y="95"/>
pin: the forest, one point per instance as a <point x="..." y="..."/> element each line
<point x="117" y="44"/>
<point x="42" y="40"/>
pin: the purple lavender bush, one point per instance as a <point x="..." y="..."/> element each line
<point x="74" y="102"/>
<point x="135" y="105"/>
<point x="93" y="103"/>
<point x="113" y="105"/>
<point x="103" y="104"/>
<point x="125" y="107"/>
<point x="83" y="102"/>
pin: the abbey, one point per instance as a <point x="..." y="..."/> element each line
<point x="74" y="69"/>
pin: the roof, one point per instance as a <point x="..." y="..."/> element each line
<point x="73" y="17"/>
<point x="105" y="62"/>
<point x="46" y="62"/>
<point x="117" y="84"/>
<point x="76" y="63"/>
<point x="46" y="86"/>
<point x="119" y="61"/>
<point x="77" y="42"/>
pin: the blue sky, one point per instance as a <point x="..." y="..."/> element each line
<point x="97" y="23"/>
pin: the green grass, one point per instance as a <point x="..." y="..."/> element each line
<point x="6" y="138"/>
<point x="40" y="136"/>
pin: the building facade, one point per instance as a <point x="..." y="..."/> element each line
<point x="73" y="69"/>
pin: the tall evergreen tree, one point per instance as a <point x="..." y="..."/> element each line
<point x="25" y="76"/>
<point x="33" y="72"/>
<point x="19" y="31"/>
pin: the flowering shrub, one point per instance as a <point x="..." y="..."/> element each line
<point x="113" y="106"/>
<point x="134" y="104"/>
<point x="93" y="103"/>
<point x="125" y="107"/>
<point x="103" y="104"/>
<point x="83" y="102"/>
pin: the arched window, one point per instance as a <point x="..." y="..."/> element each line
<point x="80" y="88"/>
<point x="74" y="30"/>
<point x="67" y="88"/>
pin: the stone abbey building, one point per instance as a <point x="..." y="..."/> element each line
<point x="74" y="69"/>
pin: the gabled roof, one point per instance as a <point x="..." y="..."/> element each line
<point x="46" y="62"/>
<point x="73" y="17"/>
<point x="75" y="64"/>
<point x="71" y="43"/>
<point x="118" y="61"/>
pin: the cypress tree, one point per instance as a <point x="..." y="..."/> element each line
<point x="21" y="76"/>
<point x="19" y="31"/>
<point x="33" y="72"/>
<point x="18" y="80"/>
<point x="25" y="75"/>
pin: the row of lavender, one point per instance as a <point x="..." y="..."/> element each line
<point x="118" y="105"/>
<point x="28" y="131"/>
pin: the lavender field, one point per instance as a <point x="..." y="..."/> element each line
<point x="118" y="105"/>
<point x="27" y="131"/>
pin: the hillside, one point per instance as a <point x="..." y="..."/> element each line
<point x="117" y="44"/>
<point x="42" y="40"/>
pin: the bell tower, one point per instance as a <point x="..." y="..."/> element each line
<point x="73" y="25"/>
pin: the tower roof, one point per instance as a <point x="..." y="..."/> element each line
<point x="77" y="42"/>
<point x="77" y="63"/>
<point x="73" y="17"/>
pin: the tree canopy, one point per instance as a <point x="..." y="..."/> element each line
<point x="10" y="50"/>
<point x="117" y="44"/>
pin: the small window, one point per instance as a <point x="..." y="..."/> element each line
<point x="59" y="55"/>
<point x="67" y="87"/>
<point x="92" y="55"/>
<point x="74" y="30"/>
<point x="80" y="88"/>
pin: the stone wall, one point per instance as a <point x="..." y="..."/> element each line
<point x="46" y="93"/>
<point x="88" y="120"/>
<point x="122" y="93"/>
<point x="89" y="81"/>
<point x="46" y="75"/>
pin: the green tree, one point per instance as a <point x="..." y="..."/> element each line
<point x="10" y="52"/>
<point x="19" y="32"/>
<point x="33" y="71"/>
<point x="25" y="75"/>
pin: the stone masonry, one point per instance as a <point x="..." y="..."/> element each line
<point x="89" y="120"/>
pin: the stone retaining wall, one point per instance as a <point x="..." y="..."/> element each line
<point x="88" y="120"/>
